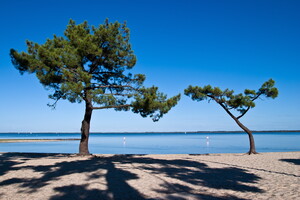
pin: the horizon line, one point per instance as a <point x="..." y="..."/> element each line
<point x="254" y="131"/>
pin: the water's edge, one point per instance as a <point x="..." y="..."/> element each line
<point x="154" y="143"/>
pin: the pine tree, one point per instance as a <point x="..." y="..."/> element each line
<point x="89" y="64"/>
<point x="228" y="101"/>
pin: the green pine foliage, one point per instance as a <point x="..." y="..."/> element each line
<point x="90" y="64"/>
<point x="149" y="101"/>
<point x="241" y="102"/>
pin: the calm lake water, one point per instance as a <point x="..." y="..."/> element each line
<point x="155" y="143"/>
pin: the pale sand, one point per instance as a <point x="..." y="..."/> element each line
<point x="217" y="176"/>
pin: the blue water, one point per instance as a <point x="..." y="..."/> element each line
<point x="156" y="143"/>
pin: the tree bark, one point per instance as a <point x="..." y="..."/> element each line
<point x="251" y="138"/>
<point x="250" y="135"/>
<point x="85" y="129"/>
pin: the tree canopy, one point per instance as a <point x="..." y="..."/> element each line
<point x="241" y="102"/>
<point x="229" y="101"/>
<point x="90" y="64"/>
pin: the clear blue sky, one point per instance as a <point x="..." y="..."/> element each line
<point x="230" y="44"/>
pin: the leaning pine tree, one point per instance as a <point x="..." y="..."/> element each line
<point x="89" y="65"/>
<point x="228" y="101"/>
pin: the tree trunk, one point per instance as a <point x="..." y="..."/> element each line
<point x="251" y="138"/>
<point x="85" y="129"/>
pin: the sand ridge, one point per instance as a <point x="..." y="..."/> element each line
<point x="216" y="176"/>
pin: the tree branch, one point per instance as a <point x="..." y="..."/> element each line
<point x="231" y="115"/>
<point x="110" y="86"/>
<point x="243" y="113"/>
<point x="253" y="99"/>
<point x="106" y="107"/>
<point x="53" y="106"/>
<point x="222" y="105"/>
<point x="117" y="94"/>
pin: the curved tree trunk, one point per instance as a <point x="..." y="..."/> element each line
<point x="251" y="138"/>
<point x="85" y="129"/>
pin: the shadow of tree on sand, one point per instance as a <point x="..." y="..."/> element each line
<point x="184" y="172"/>
<point x="294" y="161"/>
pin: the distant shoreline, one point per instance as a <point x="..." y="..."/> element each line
<point x="33" y="140"/>
<point x="158" y="132"/>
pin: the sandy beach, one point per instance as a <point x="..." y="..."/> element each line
<point x="216" y="176"/>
